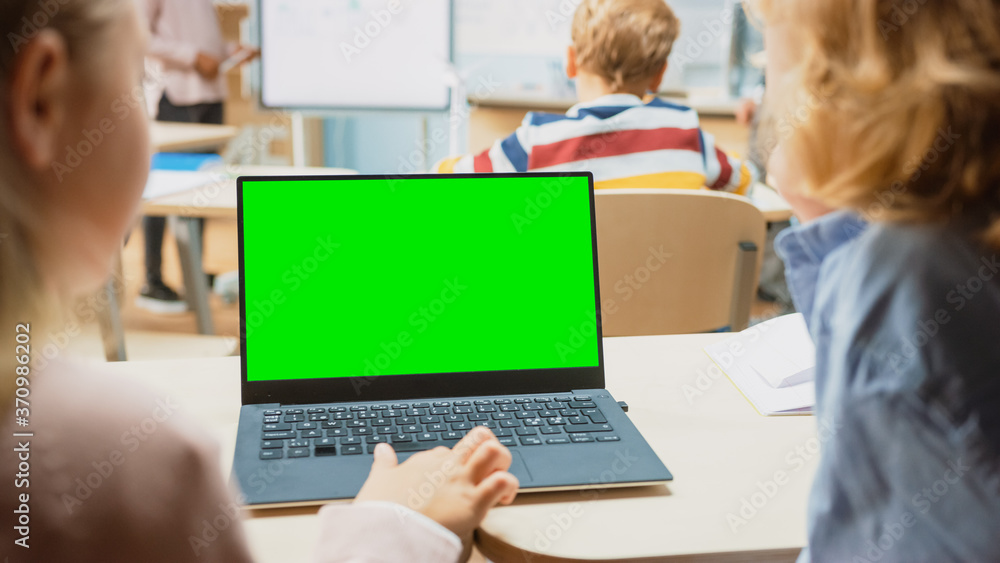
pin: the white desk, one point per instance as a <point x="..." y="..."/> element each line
<point x="717" y="107"/>
<point x="218" y="199"/>
<point x="716" y="445"/>
<point x="189" y="137"/>
<point x="215" y="200"/>
<point x="771" y="204"/>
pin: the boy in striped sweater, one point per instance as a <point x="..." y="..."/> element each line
<point x="619" y="53"/>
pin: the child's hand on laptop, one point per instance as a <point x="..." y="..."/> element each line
<point x="453" y="487"/>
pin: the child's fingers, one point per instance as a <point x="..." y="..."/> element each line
<point x="385" y="458"/>
<point x="511" y="494"/>
<point x="489" y="457"/>
<point x="499" y="487"/>
<point x="472" y="441"/>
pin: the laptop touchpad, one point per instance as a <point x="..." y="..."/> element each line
<point x="517" y="466"/>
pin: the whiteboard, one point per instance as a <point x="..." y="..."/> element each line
<point x="522" y="44"/>
<point x="514" y="27"/>
<point x="356" y="54"/>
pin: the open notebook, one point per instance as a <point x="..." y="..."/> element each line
<point x="772" y="364"/>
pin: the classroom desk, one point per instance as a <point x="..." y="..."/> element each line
<point x="771" y="204"/>
<point x="214" y="201"/>
<point x="190" y="137"/>
<point x="496" y="117"/>
<point x="167" y="137"/>
<point x="218" y="199"/>
<point x="718" y="107"/>
<point x="719" y="449"/>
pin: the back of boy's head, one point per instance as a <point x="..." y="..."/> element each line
<point x="625" y="42"/>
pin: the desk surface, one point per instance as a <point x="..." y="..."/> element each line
<point x="717" y="107"/>
<point x="186" y="137"/>
<point x="218" y="199"/>
<point x="771" y="204"/>
<point x="724" y="457"/>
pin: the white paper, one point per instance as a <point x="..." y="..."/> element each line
<point x="162" y="183"/>
<point x="238" y="58"/>
<point x="766" y="199"/>
<point x="772" y="364"/>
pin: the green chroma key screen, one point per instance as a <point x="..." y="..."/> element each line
<point x="371" y="277"/>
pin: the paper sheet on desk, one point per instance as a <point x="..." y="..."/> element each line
<point x="779" y="347"/>
<point x="766" y="198"/>
<point x="162" y="183"/>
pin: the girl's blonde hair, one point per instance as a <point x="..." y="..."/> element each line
<point x="22" y="297"/>
<point x="894" y="107"/>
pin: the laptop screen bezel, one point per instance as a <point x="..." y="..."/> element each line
<point x="416" y="386"/>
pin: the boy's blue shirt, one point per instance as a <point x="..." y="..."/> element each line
<point x="906" y="321"/>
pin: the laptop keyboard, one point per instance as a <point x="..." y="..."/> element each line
<point x="298" y="432"/>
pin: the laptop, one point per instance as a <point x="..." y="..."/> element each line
<point x="410" y="309"/>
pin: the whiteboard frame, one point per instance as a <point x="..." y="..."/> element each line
<point x="333" y="111"/>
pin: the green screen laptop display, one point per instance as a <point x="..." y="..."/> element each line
<point x="390" y="276"/>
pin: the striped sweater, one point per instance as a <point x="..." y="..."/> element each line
<point x="625" y="143"/>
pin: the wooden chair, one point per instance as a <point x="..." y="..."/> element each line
<point x="677" y="261"/>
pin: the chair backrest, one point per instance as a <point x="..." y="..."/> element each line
<point x="677" y="261"/>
